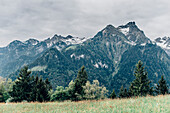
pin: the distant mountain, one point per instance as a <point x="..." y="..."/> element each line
<point x="164" y="43"/>
<point x="110" y="57"/>
<point x="17" y="53"/>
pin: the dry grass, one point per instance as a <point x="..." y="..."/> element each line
<point x="159" y="104"/>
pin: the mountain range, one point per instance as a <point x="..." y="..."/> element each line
<point x="110" y="57"/>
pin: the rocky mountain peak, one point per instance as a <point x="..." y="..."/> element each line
<point x="32" y="41"/>
<point x="134" y="34"/>
<point x="69" y="37"/>
<point x="109" y="30"/>
<point x="131" y="26"/>
<point x="109" y="27"/>
<point x="14" y="44"/>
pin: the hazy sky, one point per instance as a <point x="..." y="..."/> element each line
<point x="40" y="19"/>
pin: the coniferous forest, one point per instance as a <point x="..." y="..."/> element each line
<point x="35" y="89"/>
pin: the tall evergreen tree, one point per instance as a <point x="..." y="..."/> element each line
<point x="113" y="94"/>
<point x="162" y="87"/>
<point x="42" y="89"/>
<point x="140" y="86"/>
<point x="34" y="93"/>
<point x="22" y="87"/>
<point x="130" y="91"/>
<point x="30" y="88"/>
<point x="125" y="93"/>
<point x="80" y="81"/>
<point x="121" y="92"/>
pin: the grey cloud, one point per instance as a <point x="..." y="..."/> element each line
<point x="21" y="19"/>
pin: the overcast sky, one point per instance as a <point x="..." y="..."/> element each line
<point x="40" y="19"/>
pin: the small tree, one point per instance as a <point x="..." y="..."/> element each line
<point x="140" y="86"/>
<point x="94" y="91"/>
<point x="60" y="94"/>
<point x="89" y="92"/>
<point x="5" y="87"/>
<point x="113" y="94"/>
<point x="162" y="87"/>
<point x="71" y="90"/>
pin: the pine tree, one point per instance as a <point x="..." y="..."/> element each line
<point x="130" y="91"/>
<point x="43" y="88"/>
<point x="30" y="88"/>
<point x="121" y="92"/>
<point x="34" y="93"/>
<point x="22" y="87"/>
<point x="162" y="87"/>
<point x="80" y="81"/>
<point x="113" y="94"/>
<point x="140" y="86"/>
<point x="125" y="93"/>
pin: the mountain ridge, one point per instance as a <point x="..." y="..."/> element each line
<point x="109" y="56"/>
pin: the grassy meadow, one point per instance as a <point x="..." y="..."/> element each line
<point x="159" y="104"/>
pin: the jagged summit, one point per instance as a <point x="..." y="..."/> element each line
<point x="134" y="34"/>
<point x="129" y="33"/>
<point x="129" y="24"/>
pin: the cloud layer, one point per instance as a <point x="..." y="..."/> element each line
<point x="40" y="19"/>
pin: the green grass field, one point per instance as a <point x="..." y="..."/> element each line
<point x="159" y="104"/>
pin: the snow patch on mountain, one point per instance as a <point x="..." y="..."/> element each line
<point x="96" y="65"/>
<point x="56" y="56"/>
<point x="38" y="68"/>
<point x="143" y="44"/>
<point x="101" y="65"/>
<point x="74" y="40"/>
<point x="77" y="57"/>
<point x="130" y="42"/>
<point x="125" y="31"/>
